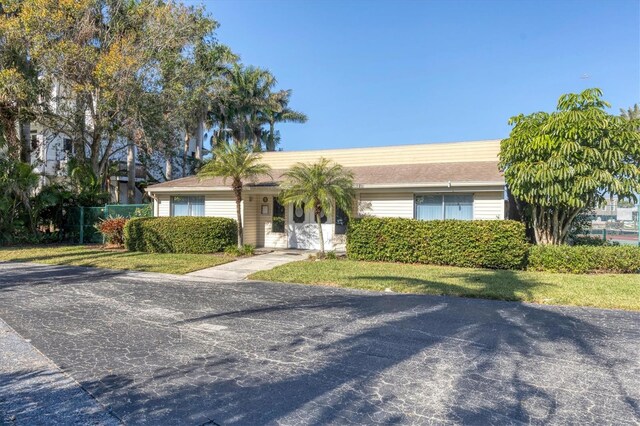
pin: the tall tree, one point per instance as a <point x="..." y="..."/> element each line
<point x="321" y="186"/>
<point x="248" y="94"/>
<point x="236" y="162"/>
<point x="247" y="103"/>
<point x="22" y="92"/>
<point x="102" y="55"/>
<point x="631" y="113"/>
<point x="563" y="163"/>
<point x="278" y="111"/>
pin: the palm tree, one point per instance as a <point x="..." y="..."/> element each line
<point x="248" y="92"/>
<point x="236" y="162"/>
<point x="245" y="103"/>
<point x="630" y="113"/>
<point x="278" y="111"/>
<point x="322" y="186"/>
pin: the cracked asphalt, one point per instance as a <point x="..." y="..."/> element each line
<point x="161" y="349"/>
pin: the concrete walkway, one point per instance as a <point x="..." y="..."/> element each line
<point x="240" y="269"/>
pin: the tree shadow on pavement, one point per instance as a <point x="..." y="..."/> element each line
<point x="311" y="355"/>
<point x="398" y="359"/>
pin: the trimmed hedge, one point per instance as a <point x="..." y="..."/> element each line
<point x="585" y="259"/>
<point x="496" y="244"/>
<point x="182" y="234"/>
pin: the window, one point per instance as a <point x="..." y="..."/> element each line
<point x="187" y="206"/>
<point x="458" y="207"/>
<point x="323" y="218"/>
<point x="298" y="213"/>
<point x="277" y="223"/>
<point x="448" y="206"/>
<point x="68" y="146"/>
<point x="342" y="220"/>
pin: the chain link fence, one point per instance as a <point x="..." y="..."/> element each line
<point x="80" y="223"/>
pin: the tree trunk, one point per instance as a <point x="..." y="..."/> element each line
<point x="25" y="141"/>
<point x="9" y="133"/>
<point x="168" y="167"/>
<point x="184" y="153"/>
<point x="200" y="136"/>
<point x="131" y="173"/>
<point x="320" y="235"/>
<point x="272" y="129"/>
<point x="237" y="190"/>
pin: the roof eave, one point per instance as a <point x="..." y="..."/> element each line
<point x="165" y="189"/>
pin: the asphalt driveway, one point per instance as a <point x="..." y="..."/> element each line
<point x="168" y="350"/>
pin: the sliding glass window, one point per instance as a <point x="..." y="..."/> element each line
<point x="448" y="206"/>
<point x="187" y="206"/>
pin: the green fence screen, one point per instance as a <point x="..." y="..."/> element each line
<point x="80" y="225"/>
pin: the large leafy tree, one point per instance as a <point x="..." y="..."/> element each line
<point x="322" y="186"/>
<point x="563" y="163"/>
<point x="22" y="92"/>
<point x="236" y="162"/>
<point x="101" y="56"/>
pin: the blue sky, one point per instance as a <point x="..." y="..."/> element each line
<point x="371" y="73"/>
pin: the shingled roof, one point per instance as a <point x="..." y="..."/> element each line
<point x="372" y="176"/>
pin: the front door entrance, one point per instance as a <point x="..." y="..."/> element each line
<point x="303" y="231"/>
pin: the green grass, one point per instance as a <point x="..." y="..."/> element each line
<point x="602" y="291"/>
<point x="99" y="257"/>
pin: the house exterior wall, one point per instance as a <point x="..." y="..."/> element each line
<point x="386" y="204"/>
<point x="220" y="204"/>
<point x="265" y="237"/>
<point x="488" y="204"/>
<point x="163" y="205"/>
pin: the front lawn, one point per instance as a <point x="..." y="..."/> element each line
<point x="112" y="258"/>
<point x="602" y="291"/>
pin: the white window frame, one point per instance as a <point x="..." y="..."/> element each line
<point x="189" y="204"/>
<point x="442" y="195"/>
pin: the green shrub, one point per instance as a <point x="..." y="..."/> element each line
<point x="585" y="259"/>
<point x="182" y="234"/>
<point x="246" y="250"/>
<point x="496" y="244"/>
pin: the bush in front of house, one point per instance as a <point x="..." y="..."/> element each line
<point x="181" y="234"/>
<point x="585" y="259"/>
<point x="112" y="229"/>
<point x="246" y="250"/>
<point x="496" y="244"/>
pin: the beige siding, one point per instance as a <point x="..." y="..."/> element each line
<point x="391" y="204"/>
<point x="405" y="154"/>
<point x="163" y="205"/>
<point x="220" y="204"/>
<point x="249" y="219"/>
<point x="488" y="205"/>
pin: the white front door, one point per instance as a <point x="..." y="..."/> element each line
<point x="302" y="230"/>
